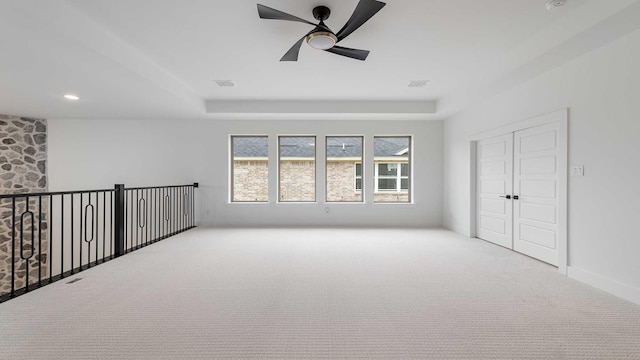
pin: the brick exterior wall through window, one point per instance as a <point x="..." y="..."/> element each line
<point x="341" y="182"/>
<point x="297" y="182"/>
<point x="250" y="180"/>
<point x="382" y="197"/>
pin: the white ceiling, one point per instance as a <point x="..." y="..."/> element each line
<point x="157" y="58"/>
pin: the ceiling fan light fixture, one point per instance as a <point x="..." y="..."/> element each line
<point x="322" y="40"/>
<point x="321" y="37"/>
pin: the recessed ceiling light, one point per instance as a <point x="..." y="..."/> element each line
<point x="555" y="3"/>
<point x="224" y="83"/>
<point x="418" y="83"/>
<point x="71" y="97"/>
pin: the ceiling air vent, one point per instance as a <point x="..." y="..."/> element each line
<point x="418" y="83"/>
<point x="224" y="83"/>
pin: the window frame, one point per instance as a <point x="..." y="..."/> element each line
<point x="356" y="177"/>
<point x="398" y="177"/>
<point x="408" y="151"/>
<point x="315" y="170"/>
<point x="404" y="159"/>
<point x="232" y="160"/>
<point x="326" y="163"/>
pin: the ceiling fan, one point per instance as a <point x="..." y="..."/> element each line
<point x="321" y="37"/>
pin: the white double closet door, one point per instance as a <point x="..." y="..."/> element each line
<point x="518" y="191"/>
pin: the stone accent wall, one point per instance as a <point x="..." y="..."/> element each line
<point x="23" y="169"/>
<point x="250" y="180"/>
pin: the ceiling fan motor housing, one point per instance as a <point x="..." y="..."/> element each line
<point x="321" y="38"/>
<point x="321" y="13"/>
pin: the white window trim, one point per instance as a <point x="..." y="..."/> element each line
<point x="356" y="177"/>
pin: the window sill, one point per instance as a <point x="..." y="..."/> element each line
<point x="248" y="202"/>
<point x="390" y="193"/>
<point x="344" y="203"/>
<point x="297" y="202"/>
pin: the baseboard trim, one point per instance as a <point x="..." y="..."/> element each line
<point x="606" y="284"/>
<point x="462" y="230"/>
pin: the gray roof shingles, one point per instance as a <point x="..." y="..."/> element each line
<point x="250" y="146"/>
<point x="255" y="146"/>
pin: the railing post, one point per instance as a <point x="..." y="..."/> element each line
<point x="119" y="220"/>
<point x="193" y="205"/>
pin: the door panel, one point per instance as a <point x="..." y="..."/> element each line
<point x="493" y="167"/>
<point x="497" y="206"/>
<point x="495" y="225"/>
<point x="535" y="142"/>
<point x="538" y="212"/>
<point x="536" y="181"/>
<point x="493" y="148"/>
<point x="538" y="236"/>
<point x="542" y="165"/>
<point x="537" y="188"/>
<point x="496" y="187"/>
<point x="495" y="179"/>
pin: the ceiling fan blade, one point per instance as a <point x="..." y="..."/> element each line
<point x="292" y="54"/>
<point x="363" y="12"/>
<point x="352" y="53"/>
<point x="266" y="12"/>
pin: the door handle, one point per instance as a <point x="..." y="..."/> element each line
<point x="506" y="196"/>
<point x="516" y="197"/>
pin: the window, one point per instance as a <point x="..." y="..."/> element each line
<point x="297" y="168"/>
<point x="344" y="154"/>
<point x="392" y="169"/>
<point x="345" y="167"/>
<point x="250" y="169"/>
<point x="392" y="177"/>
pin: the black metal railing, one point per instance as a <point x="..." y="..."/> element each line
<point x="46" y="237"/>
<point x="155" y="213"/>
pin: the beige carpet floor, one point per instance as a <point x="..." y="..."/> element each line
<point x="320" y="293"/>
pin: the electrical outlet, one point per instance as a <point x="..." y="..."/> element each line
<point x="577" y="170"/>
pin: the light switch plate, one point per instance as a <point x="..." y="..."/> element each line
<point x="577" y="170"/>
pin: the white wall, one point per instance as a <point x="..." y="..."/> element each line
<point x="99" y="153"/>
<point x="601" y="89"/>
<point x="92" y="154"/>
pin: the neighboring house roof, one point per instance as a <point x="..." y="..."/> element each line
<point x="250" y="147"/>
<point x="390" y="146"/>
<point x="299" y="147"/>
<point x="344" y="147"/>
<point x="304" y="147"/>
